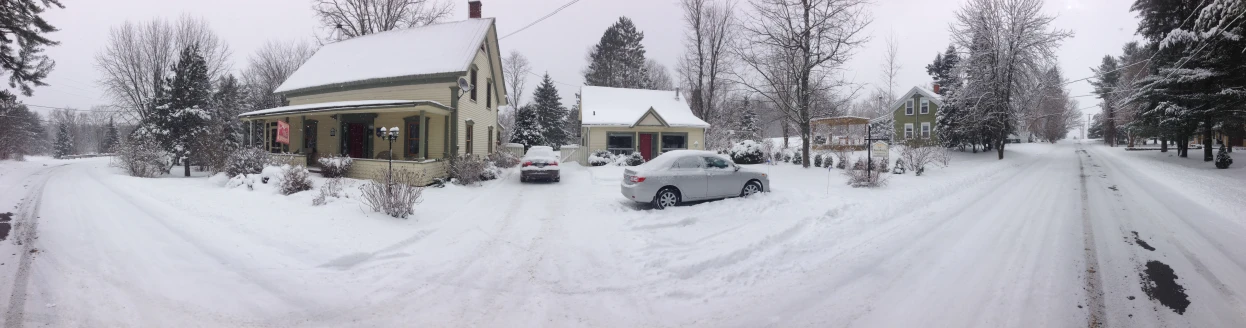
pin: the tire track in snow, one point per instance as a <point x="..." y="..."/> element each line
<point x="26" y="226"/>
<point x="1094" y="283"/>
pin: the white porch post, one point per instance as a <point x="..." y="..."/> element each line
<point x="423" y="137"/>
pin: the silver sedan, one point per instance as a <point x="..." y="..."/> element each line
<point x="689" y="175"/>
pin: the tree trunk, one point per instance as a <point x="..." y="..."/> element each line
<point x="1207" y="155"/>
<point x="1163" y="145"/>
<point x="786" y="132"/>
<point x="186" y="165"/>
<point x="999" y="145"/>
<point x="805" y="144"/>
<point x="1183" y="142"/>
<point x="1130" y="135"/>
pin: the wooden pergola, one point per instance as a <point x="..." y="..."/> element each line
<point x="841" y="132"/>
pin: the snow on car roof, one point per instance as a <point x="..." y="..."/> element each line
<point x="620" y="106"/>
<point x="430" y="49"/>
<point x="666" y="158"/>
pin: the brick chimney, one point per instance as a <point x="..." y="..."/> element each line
<point x="936" y="88"/>
<point x="473" y="9"/>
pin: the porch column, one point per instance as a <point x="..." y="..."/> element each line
<point x="423" y="137"/>
<point x="454" y="120"/>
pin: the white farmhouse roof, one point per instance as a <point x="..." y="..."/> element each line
<point x="341" y="105"/>
<point x="603" y="106"/>
<point x="417" y="51"/>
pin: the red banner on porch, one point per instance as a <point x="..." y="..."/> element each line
<point x="283" y="132"/>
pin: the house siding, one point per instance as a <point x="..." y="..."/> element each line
<point x="916" y="119"/>
<point x="482" y="117"/>
<point x="439" y="92"/>
<point x="597" y="135"/>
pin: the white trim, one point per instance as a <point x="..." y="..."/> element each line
<point x="908" y="130"/>
<point x="925" y="109"/>
<point x="908" y="107"/>
<point x="926" y="131"/>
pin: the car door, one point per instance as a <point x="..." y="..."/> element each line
<point x="688" y="174"/>
<point x="720" y="176"/>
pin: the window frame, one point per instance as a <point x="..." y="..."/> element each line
<point x="662" y="143"/>
<point x="630" y="135"/>
<point x="925" y="109"/>
<point x="927" y="130"/>
<point x="468" y="139"/>
<point x="490" y="145"/>
<point x="488" y="94"/>
<point x="473" y="77"/>
<point x="908" y="130"/>
<point x="409" y="141"/>
<point x="908" y="107"/>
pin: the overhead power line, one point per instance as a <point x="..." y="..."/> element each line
<point x="542" y="18"/>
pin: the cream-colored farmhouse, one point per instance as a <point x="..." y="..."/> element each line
<point x="650" y="122"/>
<point x="402" y="78"/>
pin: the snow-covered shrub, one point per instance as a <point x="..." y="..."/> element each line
<point x="143" y="157"/>
<point x="398" y="197"/>
<point x="798" y="159"/>
<point x="247" y="161"/>
<point x="1223" y="160"/>
<point x="858" y="178"/>
<point x="334" y="166"/>
<point x="295" y="179"/>
<point x="600" y="157"/>
<point x="787" y="157"/>
<point x="899" y="168"/>
<point x="747" y="152"/>
<point x="917" y="154"/>
<point x="503" y="159"/>
<point x="817" y="160"/>
<point x="467" y="169"/>
<point x="635" y="159"/>
<point x="767" y="148"/>
<point x="881" y="165"/>
<point x="841" y="158"/>
<point x="331" y="188"/>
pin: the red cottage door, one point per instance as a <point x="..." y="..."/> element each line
<point x="355" y="139"/>
<point x="646" y="146"/>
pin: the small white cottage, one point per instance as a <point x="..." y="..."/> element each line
<point x="650" y="122"/>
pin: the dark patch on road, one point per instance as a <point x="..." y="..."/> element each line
<point x="1141" y="242"/>
<point x="1159" y="282"/>
<point x="1130" y="298"/>
<point x="1113" y="187"/>
<point x="4" y="230"/>
<point x="6" y="217"/>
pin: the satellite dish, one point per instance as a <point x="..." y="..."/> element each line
<point x="463" y="85"/>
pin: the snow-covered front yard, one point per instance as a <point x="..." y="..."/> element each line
<point x="983" y="242"/>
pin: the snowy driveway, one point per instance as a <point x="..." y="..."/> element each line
<point x="981" y="243"/>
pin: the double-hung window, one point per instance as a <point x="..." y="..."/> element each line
<point x="925" y="106"/>
<point x="620" y="143"/>
<point x="925" y="130"/>
<point x="473" y="82"/>
<point x="908" y="130"/>
<point x="908" y="107"/>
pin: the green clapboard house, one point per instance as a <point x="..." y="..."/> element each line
<point x="915" y="115"/>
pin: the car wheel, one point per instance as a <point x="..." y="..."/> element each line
<point x="666" y="198"/>
<point x="750" y="188"/>
<point x="557" y="179"/>
<point x="523" y="178"/>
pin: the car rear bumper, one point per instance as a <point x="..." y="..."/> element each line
<point x="539" y="174"/>
<point x="637" y="192"/>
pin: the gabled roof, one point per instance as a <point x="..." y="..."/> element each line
<point x="604" y="106"/>
<point x="938" y="100"/>
<point x="413" y="52"/>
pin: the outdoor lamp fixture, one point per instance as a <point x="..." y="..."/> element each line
<point x="391" y="135"/>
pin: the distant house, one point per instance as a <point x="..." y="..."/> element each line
<point x="403" y="78"/>
<point x="915" y="113"/>
<point x="650" y="122"/>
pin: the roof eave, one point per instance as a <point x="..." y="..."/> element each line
<point x="355" y="107"/>
<point x="328" y="87"/>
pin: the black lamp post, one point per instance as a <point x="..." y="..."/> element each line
<point x="391" y="134"/>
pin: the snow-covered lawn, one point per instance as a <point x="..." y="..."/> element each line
<point x="983" y="242"/>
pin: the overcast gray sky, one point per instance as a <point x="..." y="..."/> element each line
<point x="558" y="44"/>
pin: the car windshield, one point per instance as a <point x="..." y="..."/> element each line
<point x="623" y="163"/>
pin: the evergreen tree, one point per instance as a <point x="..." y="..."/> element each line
<point x="227" y="103"/>
<point x="180" y="116"/>
<point x="1107" y="77"/>
<point x="748" y="123"/>
<point x="21" y="131"/>
<point x="618" y="59"/>
<point x="110" y="137"/>
<point x="528" y="130"/>
<point x="550" y="112"/>
<point x="22" y="38"/>
<point x="64" y="141"/>
<point x="943" y="70"/>
<point x="948" y="119"/>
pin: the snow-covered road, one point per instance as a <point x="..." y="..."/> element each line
<point x="981" y="243"/>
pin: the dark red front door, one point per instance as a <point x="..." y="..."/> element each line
<point x="355" y="139"/>
<point x="646" y="146"/>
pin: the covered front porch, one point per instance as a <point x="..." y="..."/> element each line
<point x="348" y="128"/>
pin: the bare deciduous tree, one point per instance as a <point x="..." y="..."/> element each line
<point x="271" y="65"/>
<point x="891" y="67"/>
<point x="139" y="55"/>
<point x="797" y="46"/>
<point x="516" y="69"/>
<point x="711" y="34"/>
<point x="345" y="19"/>
<point x="659" y="77"/>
